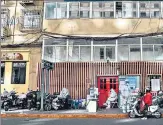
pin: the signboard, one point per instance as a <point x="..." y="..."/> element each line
<point x="19" y="64"/>
<point x="11" y="56"/>
<point x="155" y="83"/>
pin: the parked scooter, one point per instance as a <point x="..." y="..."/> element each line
<point x="31" y="99"/>
<point x="153" y="110"/>
<point x="61" y="101"/>
<point x="11" y="100"/>
<point x="22" y="101"/>
<point x="47" y="102"/>
<point x="158" y="99"/>
<point x="3" y="97"/>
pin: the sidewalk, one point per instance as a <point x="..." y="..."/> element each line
<point x="111" y="113"/>
<point x="108" y="113"/>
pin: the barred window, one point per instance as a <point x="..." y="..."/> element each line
<point x="5" y="17"/>
<point x="31" y="19"/>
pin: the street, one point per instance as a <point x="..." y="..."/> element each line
<point x="10" y="121"/>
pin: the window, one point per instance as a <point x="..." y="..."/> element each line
<point x="84" y="10"/>
<point x="2" y="72"/>
<point x="129" y="10"/>
<point x="148" y="53"/>
<point x="4" y="22"/>
<point x="108" y="10"/>
<point x="144" y="9"/>
<point x="74" y="10"/>
<point x="155" y="10"/>
<point x="101" y="53"/>
<point x="5" y="17"/>
<point x="61" y="10"/>
<point x="50" y="11"/>
<point x="107" y="52"/>
<point x="103" y="9"/>
<point x="31" y="19"/>
<point x="19" y="73"/>
<point x="110" y="52"/>
<point x="142" y="5"/>
<point x="97" y="10"/>
<point x="158" y="52"/>
<point x="134" y="52"/>
<point x="118" y="9"/>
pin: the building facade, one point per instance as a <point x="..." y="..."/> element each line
<point x="21" y="26"/>
<point x="89" y="40"/>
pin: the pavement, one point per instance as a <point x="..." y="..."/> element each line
<point x="29" y="121"/>
<point x="105" y="113"/>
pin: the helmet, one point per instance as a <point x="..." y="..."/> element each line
<point x="148" y="89"/>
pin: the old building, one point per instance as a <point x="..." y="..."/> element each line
<point x="94" y="41"/>
<point x="21" y="26"/>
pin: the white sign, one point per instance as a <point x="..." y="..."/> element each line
<point x="155" y="83"/>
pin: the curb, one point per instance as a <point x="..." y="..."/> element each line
<point x="64" y="116"/>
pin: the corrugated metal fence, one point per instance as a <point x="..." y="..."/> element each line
<point x="76" y="76"/>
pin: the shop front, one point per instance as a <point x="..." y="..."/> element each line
<point x="15" y="70"/>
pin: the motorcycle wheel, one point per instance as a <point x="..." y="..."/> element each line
<point x="6" y="108"/>
<point x="131" y="114"/>
<point x="47" y="107"/>
<point x="158" y="115"/>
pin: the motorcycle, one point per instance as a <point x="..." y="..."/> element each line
<point x="3" y="98"/>
<point x="10" y="101"/>
<point x="31" y="99"/>
<point x="47" y="103"/>
<point x="61" y="101"/>
<point x="22" y="101"/>
<point x="158" y="100"/>
<point x="135" y="111"/>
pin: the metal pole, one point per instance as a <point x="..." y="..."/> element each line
<point x="47" y="81"/>
<point x="42" y="88"/>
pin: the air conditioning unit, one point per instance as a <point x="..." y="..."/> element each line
<point x="27" y="3"/>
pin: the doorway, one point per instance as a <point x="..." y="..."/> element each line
<point x="105" y="84"/>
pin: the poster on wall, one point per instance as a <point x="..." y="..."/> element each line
<point x="155" y="84"/>
<point x="127" y="84"/>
